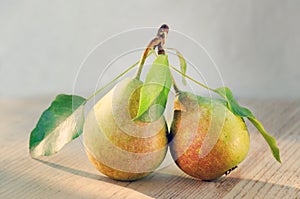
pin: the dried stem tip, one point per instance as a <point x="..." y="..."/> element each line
<point x="158" y="41"/>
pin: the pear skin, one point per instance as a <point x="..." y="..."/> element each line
<point x="207" y="139"/>
<point x="117" y="146"/>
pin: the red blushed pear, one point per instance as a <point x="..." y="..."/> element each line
<point x="207" y="139"/>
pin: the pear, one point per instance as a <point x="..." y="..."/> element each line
<point x="119" y="147"/>
<point x="207" y="139"/>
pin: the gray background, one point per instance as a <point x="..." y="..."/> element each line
<point x="254" y="43"/>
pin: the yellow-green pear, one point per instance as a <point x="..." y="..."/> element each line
<point x="119" y="147"/>
<point x="207" y="139"/>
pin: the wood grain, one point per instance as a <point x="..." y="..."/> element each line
<point x="69" y="174"/>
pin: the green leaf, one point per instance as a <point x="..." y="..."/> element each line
<point x="270" y="140"/>
<point x="235" y="108"/>
<point x="58" y="125"/>
<point x="155" y="90"/>
<point x="182" y="63"/>
<point x="233" y="105"/>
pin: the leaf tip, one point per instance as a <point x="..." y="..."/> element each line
<point x="277" y="157"/>
<point x="135" y="119"/>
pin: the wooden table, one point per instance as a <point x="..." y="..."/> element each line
<point x="69" y="174"/>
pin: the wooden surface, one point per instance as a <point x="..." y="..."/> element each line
<point x="69" y="174"/>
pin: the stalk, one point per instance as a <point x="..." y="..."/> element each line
<point x="175" y="86"/>
<point x="158" y="41"/>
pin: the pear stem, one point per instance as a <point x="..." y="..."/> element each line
<point x="158" y="41"/>
<point x="175" y="86"/>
